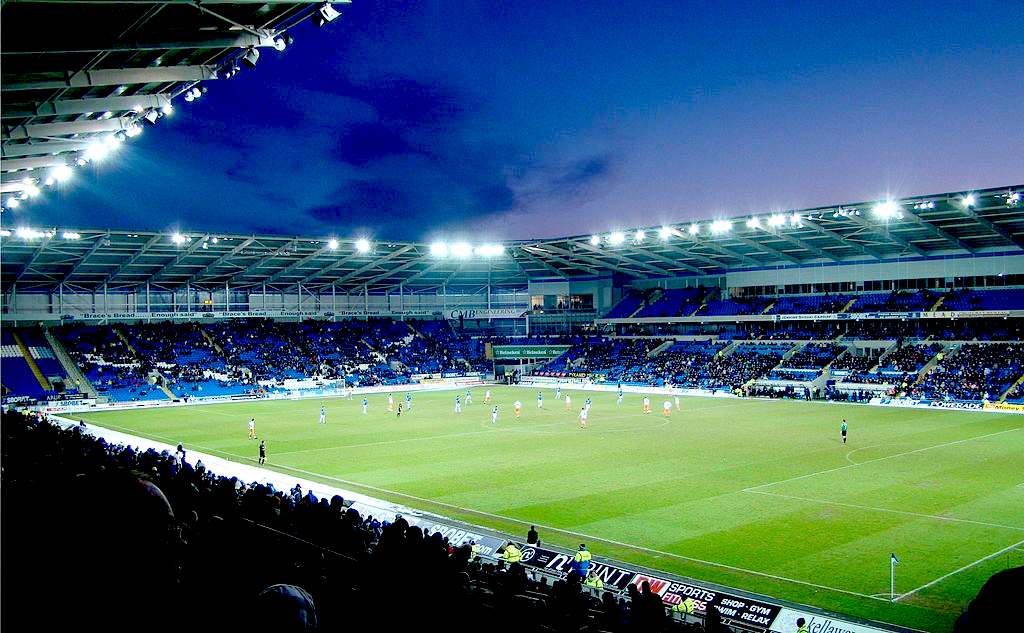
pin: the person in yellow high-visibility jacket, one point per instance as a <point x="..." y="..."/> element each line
<point x="474" y="550"/>
<point x="801" y="626"/>
<point x="686" y="607"/>
<point x="512" y="553"/>
<point x="593" y="582"/>
<point x="581" y="561"/>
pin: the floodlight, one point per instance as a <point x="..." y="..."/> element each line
<point x="332" y="244"/>
<point x="886" y="210"/>
<point x="178" y="238"/>
<point x="151" y="117"/>
<point x="461" y="249"/>
<point x="616" y="238"/>
<point x="490" y="250"/>
<point x="49" y="181"/>
<point x="13" y="203"/>
<point x="167" y="109"/>
<point x="694" y="228"/>
<point x="250" y="57"/>
<point x="325" y="14"/>
<point x="282" y="42"/>
<point x="363" y="245"/>
<point x="5" y="233"/>
<point x="970" y="200"/>
<point x="795" y="220"/>
<point x="595" y="240"/>
<point x="97" y="150"/>
<point x="137" y="109"/>
<point x="721" y="226"/>
<point x="26" y="233"/>
<point x="439" y="249"/>
<point x="1013" y="199"/>
<point x="215" y="240"/>
<point x="777" y="219"/>
<point x="754" y="223"/>
<point x="31" y="189"/>
<point x="640" y="235"/>
<point x="665" y="232"/>
<point x="71" y="235"/>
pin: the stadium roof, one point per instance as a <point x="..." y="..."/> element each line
<point x="44" y="258"/>
<point x="77" y="73"/>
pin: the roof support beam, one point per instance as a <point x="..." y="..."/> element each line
<point x="539" y="250"/>
<point x="429" y="269"/>
<point x="263" y="260"/>
<point x="47" y="130"/>
<point x="406" y="266"/>
<point x="667" y="260"/>
<point x="114" y="77"/>
<point x="622" y="258"/>
<point x="934" y="230"/>
<point x="84" y="106"/>
<point x="32" y="260"/>
<point x="295" y="265"/>
<point x="134" y="258"/>
<point x="97" y="243"/>
<point x="220" y="260"/>
<point x="358" y="271"/>
<point x="880" y="229"/>
<point x="182" y="256"/>
<point x="725" y="251"/>
<point x="995" y="228"/>
<point x="36" y="162"/>
<point x="259" y="38"/>
<point x="817" y="228"/>
<point x="677" y="248"/>
<point x="768" y="249"/>
<point x="533" y="258"/>
<point x="796" y="241"/>
<point x="51" y="146"/>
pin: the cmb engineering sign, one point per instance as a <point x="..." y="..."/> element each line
<point x="494" y="313"/>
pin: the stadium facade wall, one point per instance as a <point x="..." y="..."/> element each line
<point x="26" y="306"/>
<point x="984" y="264"/>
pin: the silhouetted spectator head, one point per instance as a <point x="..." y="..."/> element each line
<point x="283" y="609"/>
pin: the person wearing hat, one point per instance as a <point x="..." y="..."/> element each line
<point x="581" y="561"/>
<point x="593" y="582"/>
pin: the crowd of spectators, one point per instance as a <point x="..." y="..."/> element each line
<point x="975" y="372"/>
<point x="147" y="540"/>
<point x="813" y="356"/>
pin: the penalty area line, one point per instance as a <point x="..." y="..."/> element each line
<point x="957" y="571"/>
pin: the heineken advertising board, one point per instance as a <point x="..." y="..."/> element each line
<point x="511" y="352"/>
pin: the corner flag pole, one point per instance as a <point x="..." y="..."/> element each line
<point x="893" y="561"/>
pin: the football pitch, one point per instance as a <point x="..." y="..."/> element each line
<point x="759" y="495"/>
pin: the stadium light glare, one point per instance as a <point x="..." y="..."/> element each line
<point x="970" y="200"/>
<point x="616" y="238"/>
<point x="96" y="151"/>
<point x="754" y="223"/>
<point x="721" y="226"/>
<point x="13" y="203"/>
<point x="363" y="245"/>
<point x="489" y="250"/>
<point x="107" y="115"/>
<point x="133" y="130"/>
<point x="5" y="233"/>
<point x="31" y="189"/>
<point x="595" y="240"/>
<point x="776" y="220"/>
<point x="178" y="238"/>
<point x="694" y="228"/>
<point x="1013" y="199"/>
<point x="283" y="41"/>
<point x="27" y="233"/>
<point x="665" y="232"/>
<point x="461" y="249"/>
<point x="439" y="249"/>
<point x="796" y="220"/>
<point x="61" y="173"/>
<point x="167" y="109"/>
<point x="886" y="211"/>
<point x="332" y="244"/>
<point x="641" y="235"/>
<point x="71" y="235"/>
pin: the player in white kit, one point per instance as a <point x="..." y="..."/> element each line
<point x="583" y="417"/>
<point x="252" y="428"/>
<point x="666" y="409"/>
<point x="458" y="404"/>
<point x="494" y="415"/>
<point x="323" y="415"/>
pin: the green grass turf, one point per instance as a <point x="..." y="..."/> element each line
<point x="732" y="491"/>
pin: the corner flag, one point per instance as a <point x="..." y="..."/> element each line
<point x="893" y="559"/>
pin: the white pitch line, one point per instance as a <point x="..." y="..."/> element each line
<point x="878" y="459"/>
<point x="857" y="506"/>
<point x="591" y="537"/>
<point x="955" y="572"/>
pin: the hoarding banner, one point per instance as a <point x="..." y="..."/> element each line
<point x="511" y="352"/>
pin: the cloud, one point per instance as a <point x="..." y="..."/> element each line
<point x="365" y="142"/>
<point x="581" y="175"/>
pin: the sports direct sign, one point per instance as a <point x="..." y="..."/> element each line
<point x="738" y="611"/>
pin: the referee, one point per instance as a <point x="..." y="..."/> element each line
<point x="263" y="452"/>
<point x="842" y="430"/>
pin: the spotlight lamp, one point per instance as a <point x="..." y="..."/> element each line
<point x="283" y="41"/>
<point x="641" y="235"/>
<point x="363" y="245"/>
<point x="325" y="14"/>
<point x="250" y="57"/>
<point x="595" y="240"/>
<point x="665" y="232"/>
<point x="616" y="238"/>
<point x="332" y="244"/>
<point x="694" y="229"/>
<point x="970" y="200"/>
<point x="1013" y="198"/>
